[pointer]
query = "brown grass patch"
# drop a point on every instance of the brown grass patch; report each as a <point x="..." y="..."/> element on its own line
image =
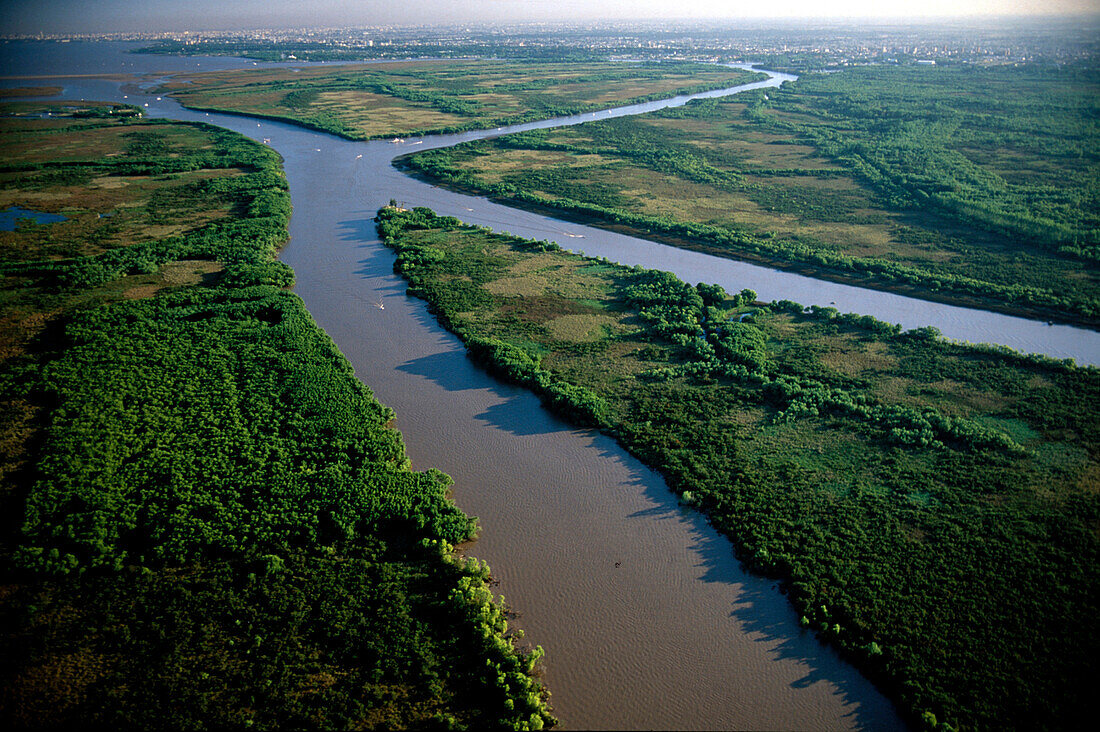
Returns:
<point x="16" y="432"/>
<point x="530" y="285"/>
<point x="492" y="168"/>
<point x="190" y="272"/>
<point x="141" y="292"/>
<point x="854" y="359"/>
<point x="957" y="398"/>
<point x="109" y="182"/>
<point x="892" y="389"/>
<point x="579" y="328"/>
<point x="947" y="396"/>
<point x="34" y="145"/>
<point x="1089" y="481"/>
<point x="13" y="196"/>
<point x="535" y="263"/>
<point x="373" y="114"/>
<point x="657" y="194"/>
<point x="30" y="91"/>
<point x="58" y="682"/>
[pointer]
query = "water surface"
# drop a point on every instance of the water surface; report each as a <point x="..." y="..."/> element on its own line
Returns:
<point x="11" y="216"/>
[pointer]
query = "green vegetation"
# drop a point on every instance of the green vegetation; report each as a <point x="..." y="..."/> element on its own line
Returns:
<point x="979" y="186"/>
<point x="207" y="520"/>
<point x="419" y="97"/>
<point x="931" y="507"/>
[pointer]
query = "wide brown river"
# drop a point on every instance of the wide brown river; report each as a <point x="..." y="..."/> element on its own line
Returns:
<point x="647" y="619"/>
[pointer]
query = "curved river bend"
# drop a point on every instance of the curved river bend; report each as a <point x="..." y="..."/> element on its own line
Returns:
<point x="676" y="636"/>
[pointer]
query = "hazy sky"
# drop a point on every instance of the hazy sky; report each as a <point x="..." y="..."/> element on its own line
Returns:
<point x="94" y="16"/>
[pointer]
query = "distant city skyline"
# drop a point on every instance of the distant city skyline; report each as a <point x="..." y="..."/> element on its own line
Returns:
<point x="107" y="16"/>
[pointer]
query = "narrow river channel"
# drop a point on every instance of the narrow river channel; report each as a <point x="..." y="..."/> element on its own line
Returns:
<point x="647" y="619"/>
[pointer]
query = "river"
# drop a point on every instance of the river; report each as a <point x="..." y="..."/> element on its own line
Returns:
<point x="647" y="619"/>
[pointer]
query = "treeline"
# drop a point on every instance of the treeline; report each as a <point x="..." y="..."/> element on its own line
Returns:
<point x="899" y="524"/>
<point x="213" y="524"/>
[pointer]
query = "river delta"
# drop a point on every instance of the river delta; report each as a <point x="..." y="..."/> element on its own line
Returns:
<point x="647" y="618"/>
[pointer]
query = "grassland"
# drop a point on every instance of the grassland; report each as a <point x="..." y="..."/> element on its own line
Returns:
<point x="400" y="99"/>
<point x="971" y="186"/>
<point x="29" y="91"/>
<point x="932" y="508"/>
<point x="207" y="521"/>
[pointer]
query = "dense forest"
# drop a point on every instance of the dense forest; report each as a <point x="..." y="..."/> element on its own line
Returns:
<point x="208" y="521"/>
<point x="973" y="185"/>
<point x="422" y="97"/>
<point x="930" y="507"/>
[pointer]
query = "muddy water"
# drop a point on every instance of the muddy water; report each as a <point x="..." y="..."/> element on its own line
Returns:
<point x="647" y="619"/>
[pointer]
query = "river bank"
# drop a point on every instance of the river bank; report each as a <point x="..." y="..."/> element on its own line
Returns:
<point x="843" y="277"/>
<point x="868" y="468"/>
<point x="208" y="519"/>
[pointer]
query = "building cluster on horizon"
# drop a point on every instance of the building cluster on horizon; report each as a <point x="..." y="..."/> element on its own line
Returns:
<point x="828" y="43"/>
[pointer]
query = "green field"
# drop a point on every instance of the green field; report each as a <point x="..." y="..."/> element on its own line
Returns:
<point x="932" y="508"/>
<point x="418" y="97"/>
<point x="978" y="186"/>
<point x="207" y="520"/>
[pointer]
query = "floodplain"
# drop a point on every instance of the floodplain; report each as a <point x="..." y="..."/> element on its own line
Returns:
<point x="976" y="186"/>
<point x="900" y="486"/>
<point x="207" y="519"/>
<point x="420" y="97"/>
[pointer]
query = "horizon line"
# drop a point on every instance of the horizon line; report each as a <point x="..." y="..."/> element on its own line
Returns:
<point x="592" y="22"/>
